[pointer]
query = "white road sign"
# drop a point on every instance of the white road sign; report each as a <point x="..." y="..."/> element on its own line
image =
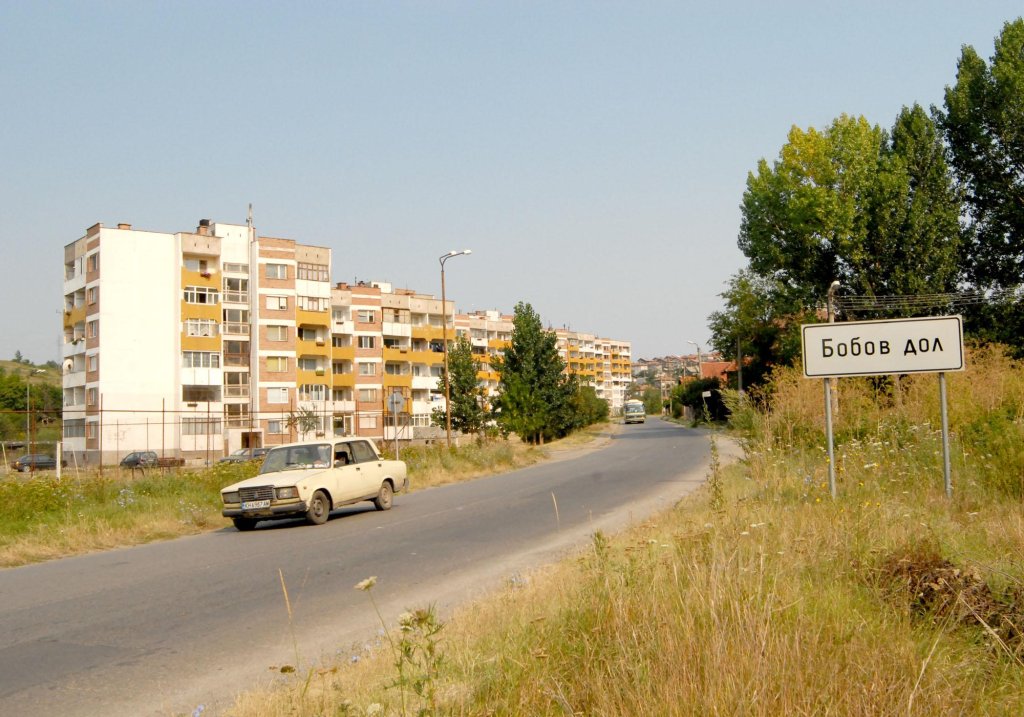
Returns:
<point x="874" y="348"/>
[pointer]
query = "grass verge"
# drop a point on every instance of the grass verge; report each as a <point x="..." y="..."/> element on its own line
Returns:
<point x="761" y="595"/>
<point x="42" y="518"/>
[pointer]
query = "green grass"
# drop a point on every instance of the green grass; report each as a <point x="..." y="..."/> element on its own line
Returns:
<point x="764" y="596"/>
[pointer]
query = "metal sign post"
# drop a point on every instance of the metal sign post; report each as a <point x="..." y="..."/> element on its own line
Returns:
<point x="878" y="348"/>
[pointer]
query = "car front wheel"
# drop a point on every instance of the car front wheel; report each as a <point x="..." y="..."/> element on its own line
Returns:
<point x="319" y="508"/>
<point x="385" y="497"/>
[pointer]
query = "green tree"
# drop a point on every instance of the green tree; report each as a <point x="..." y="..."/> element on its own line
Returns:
<point x="983" y="123"/>
<point x="848" y="203"/>
<point x="984" y="126"/>
<point x="303" y="420"/>
<point x="763" y="319"/>
<point x="652" y="400"/>
<point x="468" y="414"/>
<point x="533" y="391"/>
<point x="691" y="393"/>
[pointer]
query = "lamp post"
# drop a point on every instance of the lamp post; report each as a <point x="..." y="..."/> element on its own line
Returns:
<point x="28" y="410"/>
<point x="700" y="369"/>
<point x="444" y="339"/>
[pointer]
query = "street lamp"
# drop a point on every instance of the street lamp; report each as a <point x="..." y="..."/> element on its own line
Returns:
<point x="28" y="409"/>
<point x="700" y="369"/>
<point x="444" y="338"/>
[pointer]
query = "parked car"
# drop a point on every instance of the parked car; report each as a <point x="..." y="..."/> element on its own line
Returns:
<point x="245" y="454"/>
<point x="37" y="462"/>
<point x="140" y="459"/>
<point x="312" y="478"/>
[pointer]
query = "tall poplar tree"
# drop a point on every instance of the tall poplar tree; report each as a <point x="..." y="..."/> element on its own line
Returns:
<point x="984" y="126"/>
<point x="533" y="392"/>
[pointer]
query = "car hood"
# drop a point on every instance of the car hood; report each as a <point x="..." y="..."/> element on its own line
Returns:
<point x="280" y="478"/>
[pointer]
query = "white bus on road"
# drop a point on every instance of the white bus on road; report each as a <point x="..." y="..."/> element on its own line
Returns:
<point x="633" y="411"/>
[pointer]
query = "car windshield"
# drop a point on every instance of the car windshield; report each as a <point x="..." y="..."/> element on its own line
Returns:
<point x="313" y="455"/>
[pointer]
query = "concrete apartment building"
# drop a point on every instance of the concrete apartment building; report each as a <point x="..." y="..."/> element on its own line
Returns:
<point x="194" y="344"/>
<point x="602" y="363"/>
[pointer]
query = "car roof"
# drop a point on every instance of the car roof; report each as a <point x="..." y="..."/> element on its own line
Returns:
<point x="321" y="441"/>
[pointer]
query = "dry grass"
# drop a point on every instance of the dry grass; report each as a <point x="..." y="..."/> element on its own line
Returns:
<point x="42" y="518"/>
<point x="890" y="600"/>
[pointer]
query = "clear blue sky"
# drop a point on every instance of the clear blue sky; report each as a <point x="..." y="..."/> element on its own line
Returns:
<point x="593" y="155"/>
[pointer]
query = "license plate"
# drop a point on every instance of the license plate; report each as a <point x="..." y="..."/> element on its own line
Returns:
<point x="255" y="504"/>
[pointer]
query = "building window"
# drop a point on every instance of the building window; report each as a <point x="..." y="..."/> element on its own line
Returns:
<point x="200" y="426"/>
<point x="276" y="427"/>
<point x="277" y="364"/>
<point x="196" y="393"/>
<point x="341" y="394"/>
<point x="236" y="415"/>
<point x="94" y="362"/>
<point x="366" y="342"/>
<point x="195" y="264"/>
<point x="367" y="421"/>
<point x="277" y="303"/>
<point x="314" y="272"/>
<point x="91" y="396"/>
<point x="201" y="295"/>
<point x="394" y="369"/>
<point x="367" y="369"/>
<point x="236" y="321"/>
<point x="313" y="303"/>
<point x="340" y="342"/>
<point x="309" y="364"/>
<point x="92" y="295"/>
<point x="341" y="367"/>
<point x="312" y="392"/>
<point x="277" y="271"/>
<point x="307" y="334"/>
<point x="365" y="316"/>
<point x="200" y="359"/>
<point x="74" y="428"/>
<point x="277" y="395"/>
<point x="92" y="329"/>
<point x="367" y="395"/>
<point x="91" y="429"/>
<point x="93" y="262"/>
<point x="200" y="327"/>
<point x="236" y="268"/>
<point x="236" y="290"/>
<point x="236" y="384"/>
<point x="277" y="333"/>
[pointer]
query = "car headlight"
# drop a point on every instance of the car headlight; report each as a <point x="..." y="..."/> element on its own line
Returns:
<point x="289" y="492"/>
<point x="231" y="497"/>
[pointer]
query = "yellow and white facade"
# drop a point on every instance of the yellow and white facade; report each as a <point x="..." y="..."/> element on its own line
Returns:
<point x="194" y="344"/>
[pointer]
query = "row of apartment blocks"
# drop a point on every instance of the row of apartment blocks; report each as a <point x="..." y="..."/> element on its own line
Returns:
<point x="195" y="344"/>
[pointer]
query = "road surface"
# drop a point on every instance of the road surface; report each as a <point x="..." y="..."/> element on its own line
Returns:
<point x="160" y="629"/>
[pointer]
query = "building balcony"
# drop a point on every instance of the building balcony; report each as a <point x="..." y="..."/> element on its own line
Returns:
<point x="234" y="328"/>
<point x="392" y="328"/>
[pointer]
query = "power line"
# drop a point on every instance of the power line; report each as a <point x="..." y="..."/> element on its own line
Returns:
<point x="926" y="301"/>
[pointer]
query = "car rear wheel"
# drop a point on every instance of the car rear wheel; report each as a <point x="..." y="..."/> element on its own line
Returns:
<point x="319" y="508"/>
<point x="244" y="524"/>
<point x="385" y="497"/>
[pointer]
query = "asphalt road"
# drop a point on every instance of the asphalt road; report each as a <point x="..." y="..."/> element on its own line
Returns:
<point x="163" y="628"/>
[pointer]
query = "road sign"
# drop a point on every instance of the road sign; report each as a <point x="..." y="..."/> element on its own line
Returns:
<point x="875" y="348"/>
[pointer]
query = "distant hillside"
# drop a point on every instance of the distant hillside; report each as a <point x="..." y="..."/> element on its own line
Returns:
<point x="50" y="374"/>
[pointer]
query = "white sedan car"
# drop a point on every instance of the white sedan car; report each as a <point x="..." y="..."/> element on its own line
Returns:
<point x="310" y="479"/>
